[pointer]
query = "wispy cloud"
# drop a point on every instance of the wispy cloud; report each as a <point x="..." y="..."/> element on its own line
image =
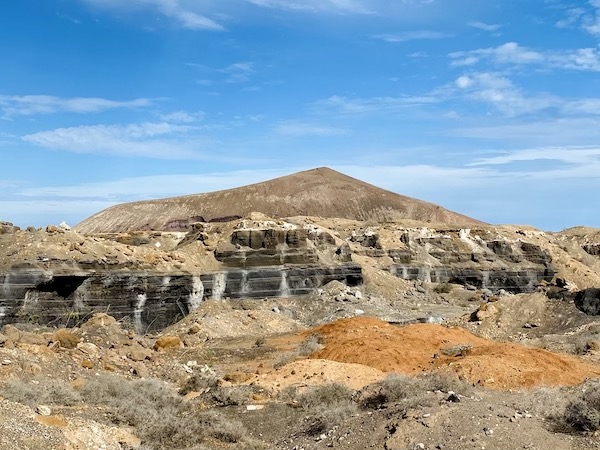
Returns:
<point x="184" y="16"/>
<point x="13" y="105"/>
<point x="238" y="72"/>
<point x="511" y="53"/>
<point x="485" y="26"/>
<point x="158" y="186"/>
<point x="571" y="155"/>
<point x="405" y="36"/>
<point x="318" y="6"/>
<point x="499" y="91"/>
<point x="291" y="128"/>
<point x="183" y="117"/>
<point x="585" y="16"/>
<point x="347" y="105"/>
<point x="556" y="131"/>
<point x="151" y="140"/>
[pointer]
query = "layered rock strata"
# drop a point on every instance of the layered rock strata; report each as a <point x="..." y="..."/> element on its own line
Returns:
<point x="151" y="301"/>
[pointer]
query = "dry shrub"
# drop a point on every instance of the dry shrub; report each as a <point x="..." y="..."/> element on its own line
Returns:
<point x="325" y="395"/>
<point x="284" y="358"/>
<point x="311" y="344"/>
<point x="159" y="416"/>
<point x="443" y="288"/>
<point x="582" y="411"/>
<point x="40" y="390"/>
<point x="206" y="382"/>
<point x="409" y="391"/>
<point x="326" y="405"/>
<point x="202" y="379"/>
<point x="445" y="382"/>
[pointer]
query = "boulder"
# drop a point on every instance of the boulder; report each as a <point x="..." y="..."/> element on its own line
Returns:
<point x="168" y="342"/>
<point x="65" y="338"/>
<point x="588" y="301"/>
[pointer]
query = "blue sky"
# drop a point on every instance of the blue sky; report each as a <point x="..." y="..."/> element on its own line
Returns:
<point x="490" y="108"/>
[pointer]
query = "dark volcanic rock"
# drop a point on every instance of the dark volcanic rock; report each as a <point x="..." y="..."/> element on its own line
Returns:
<point x="150" y="301"/>
<point x="495" y="264"/>
<point x="588" y="301"/>
<point x="592" y="249"/>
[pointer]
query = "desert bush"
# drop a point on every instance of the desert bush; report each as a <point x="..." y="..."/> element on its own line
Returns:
<point x="327" y="405"/>
<point x="284" y="358"/>
<point x="409" y="390"/>
<point x="232" y="395"/>
<point x="443" y="288"/>
<point x="311" y="344"/>
<point x="202" y="379"/>
<point x="40" y="390"/>
<point x="445" y="382"/>
<point x="582" y="412"/>
<point x="394" y="388"/>
<point x="325" y="395"/>
<point x="160" y="417"/>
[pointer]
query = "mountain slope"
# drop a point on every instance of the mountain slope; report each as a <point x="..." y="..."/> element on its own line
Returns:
<point x="318" y="192"/>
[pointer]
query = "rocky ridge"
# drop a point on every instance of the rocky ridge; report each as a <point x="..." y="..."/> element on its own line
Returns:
<point x="318" y="192"/>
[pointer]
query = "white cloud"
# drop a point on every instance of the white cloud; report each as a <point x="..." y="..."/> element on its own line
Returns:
<point x="183" y="117"/>
<point x="485" y="26"/>
<point x="585" y="16"/>
<point x="317" y="6"/>
<point x="561" y="131"/>
<point x="308" y="129"/>
<point x="152" y="140"/>
<point x="500" y="92"/>
<point x="373" y="104"/>
<point x="159" y="186"/>
<point x="511" y="53"/>
<point x="12" y="105"/>
<point x="411" y="36"/>
<point x="571" y="155"/>
<point x="238" y="72"/>
<point x="186" y="16"/>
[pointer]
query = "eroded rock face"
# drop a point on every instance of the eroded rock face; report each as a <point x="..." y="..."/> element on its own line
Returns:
<point x="273" y="246"/>
<point x="458" y="256"/>
<point x="150" y="301"/>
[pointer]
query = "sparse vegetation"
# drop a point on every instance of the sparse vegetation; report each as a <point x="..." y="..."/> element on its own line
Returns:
<point x="443" y="288"/>
<point x="311" y="344"/>
<point x="161" y="418"/>
<point x="40" y="390"/>
<point x="284" y="358"/>
<point x="582" y="412"/>
<point x="327" y="406"/>
<point x="408" y="390"/>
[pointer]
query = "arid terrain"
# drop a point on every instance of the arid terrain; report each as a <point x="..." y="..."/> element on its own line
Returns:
<point x="298" y="329"/>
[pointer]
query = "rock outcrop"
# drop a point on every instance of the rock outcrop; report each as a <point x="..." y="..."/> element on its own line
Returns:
<point x="477" y="259"/>
<point x="588" y="301"/>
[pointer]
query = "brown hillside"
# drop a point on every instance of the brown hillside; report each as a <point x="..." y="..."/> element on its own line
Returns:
<point x="318" y="192"/>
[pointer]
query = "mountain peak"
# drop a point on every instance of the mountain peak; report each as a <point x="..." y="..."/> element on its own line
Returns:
<point x="320" y="192"/>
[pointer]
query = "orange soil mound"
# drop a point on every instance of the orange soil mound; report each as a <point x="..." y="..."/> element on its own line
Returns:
<point x="417" y="348"/>
<point x="308" y="372"/>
